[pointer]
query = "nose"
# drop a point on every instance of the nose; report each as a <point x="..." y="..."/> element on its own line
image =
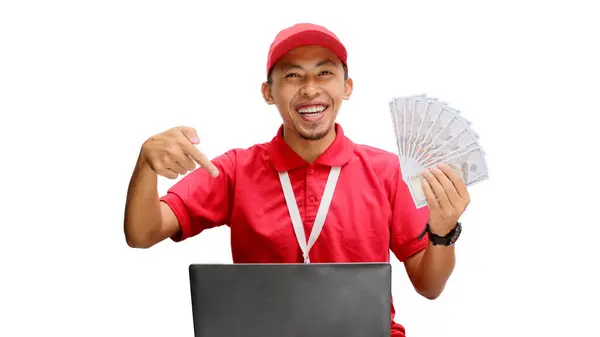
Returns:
<point x="311" y="89"/>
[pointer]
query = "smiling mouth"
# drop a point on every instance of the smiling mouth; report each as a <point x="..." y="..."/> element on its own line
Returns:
<point x="312" y="113"/>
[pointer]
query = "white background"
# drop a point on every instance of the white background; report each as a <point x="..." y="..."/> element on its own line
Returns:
<point x="84" y="83"/>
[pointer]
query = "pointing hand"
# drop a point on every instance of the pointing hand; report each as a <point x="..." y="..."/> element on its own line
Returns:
<point x="174" y="152"/>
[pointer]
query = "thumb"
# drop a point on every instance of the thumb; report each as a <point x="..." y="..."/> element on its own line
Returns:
<point x="191" y="134"/>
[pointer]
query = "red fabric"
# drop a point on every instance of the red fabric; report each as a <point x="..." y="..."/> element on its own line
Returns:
<point x="371" y="212"/>
<point x="304" y="34"/>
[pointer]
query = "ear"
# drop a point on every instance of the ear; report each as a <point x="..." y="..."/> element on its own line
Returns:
<point x="267" y="93"/>
<point x="348" y="89"/>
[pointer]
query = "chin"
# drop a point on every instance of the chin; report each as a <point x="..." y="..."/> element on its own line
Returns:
<point x="317" y="132"/>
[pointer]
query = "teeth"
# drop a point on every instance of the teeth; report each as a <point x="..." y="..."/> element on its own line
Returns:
<point x="313" y="110"/>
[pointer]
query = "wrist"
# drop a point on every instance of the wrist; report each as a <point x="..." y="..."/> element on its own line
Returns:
<point x="441" y="232"/>
<point x="446" y="239"/>
<point x="143" y="170"/>
<point x="142" y="160"/>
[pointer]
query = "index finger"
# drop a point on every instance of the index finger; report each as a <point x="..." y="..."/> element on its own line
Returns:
<point x="199" y="157"/>
<point x="456" y="179"/>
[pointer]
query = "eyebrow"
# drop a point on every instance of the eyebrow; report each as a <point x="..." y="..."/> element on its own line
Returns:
<point x="324" y="62"/>
<point x="287" y="66"/>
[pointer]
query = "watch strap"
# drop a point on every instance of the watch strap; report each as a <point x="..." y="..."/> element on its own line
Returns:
<point x="447" y="240"/>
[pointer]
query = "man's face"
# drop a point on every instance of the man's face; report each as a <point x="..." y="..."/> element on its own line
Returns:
<point x="308" y="88"/>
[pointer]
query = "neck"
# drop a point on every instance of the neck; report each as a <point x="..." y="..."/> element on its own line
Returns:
<point x="309" y="150"/>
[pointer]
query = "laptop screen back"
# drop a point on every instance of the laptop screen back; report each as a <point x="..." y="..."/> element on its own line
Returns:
<point x="291" y="300"/>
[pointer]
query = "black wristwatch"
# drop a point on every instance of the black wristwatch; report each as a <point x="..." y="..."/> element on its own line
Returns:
<point x="447" y="240"/>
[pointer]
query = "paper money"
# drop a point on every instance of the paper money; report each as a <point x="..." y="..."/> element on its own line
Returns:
<point x="414" y="183"/>
<point x="429" y="131"/>
<point x="471" y="164"/>
<point x="466" y="139"/>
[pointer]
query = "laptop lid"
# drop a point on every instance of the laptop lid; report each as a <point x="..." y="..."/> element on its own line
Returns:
<point x="291" y="300"/>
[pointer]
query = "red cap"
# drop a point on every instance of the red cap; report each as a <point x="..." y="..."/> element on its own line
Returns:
<point x="304" y="34"/>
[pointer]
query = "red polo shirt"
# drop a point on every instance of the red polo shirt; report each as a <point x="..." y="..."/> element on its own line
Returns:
<point x="371" y="212"/>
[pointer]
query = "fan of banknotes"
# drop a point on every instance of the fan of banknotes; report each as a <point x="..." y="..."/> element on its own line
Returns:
<point x="429" y="131"/>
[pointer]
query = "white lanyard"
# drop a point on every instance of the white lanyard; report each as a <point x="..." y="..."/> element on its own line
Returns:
<point x="290" y="199"/>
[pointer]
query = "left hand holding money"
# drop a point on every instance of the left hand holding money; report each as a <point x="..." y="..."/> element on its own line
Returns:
<point x="447" y="197"/>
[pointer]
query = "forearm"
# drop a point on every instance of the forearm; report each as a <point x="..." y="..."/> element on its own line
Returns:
<point x="142" y="209"/>
<point x="434" y="270"/>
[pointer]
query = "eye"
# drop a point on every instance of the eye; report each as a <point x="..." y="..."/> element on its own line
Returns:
<point x="325" y="72"/>
<point x="291" y="75"/>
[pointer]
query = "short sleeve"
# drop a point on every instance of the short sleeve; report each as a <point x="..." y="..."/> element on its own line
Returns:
<point x="407" y="221"/>
<point x="201" y="201"/>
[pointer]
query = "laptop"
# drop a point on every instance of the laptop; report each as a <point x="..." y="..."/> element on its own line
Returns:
<point x="291" y="300"/>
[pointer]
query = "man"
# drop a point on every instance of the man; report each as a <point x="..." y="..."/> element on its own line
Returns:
<point x="310" y="176"/>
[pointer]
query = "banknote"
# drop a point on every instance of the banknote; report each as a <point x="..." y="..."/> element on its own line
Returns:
<point x="415" y="185"/>
<point x="429" y="131"/>
<point x="472" y="165"/>
<point x="440" y="130"/>
<point x="465" y="139"/>
<point x="402" y="110"/>
<point x="424" y="113"/>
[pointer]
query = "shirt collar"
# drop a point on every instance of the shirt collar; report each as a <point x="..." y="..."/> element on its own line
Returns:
<point x="284" y="158"/>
